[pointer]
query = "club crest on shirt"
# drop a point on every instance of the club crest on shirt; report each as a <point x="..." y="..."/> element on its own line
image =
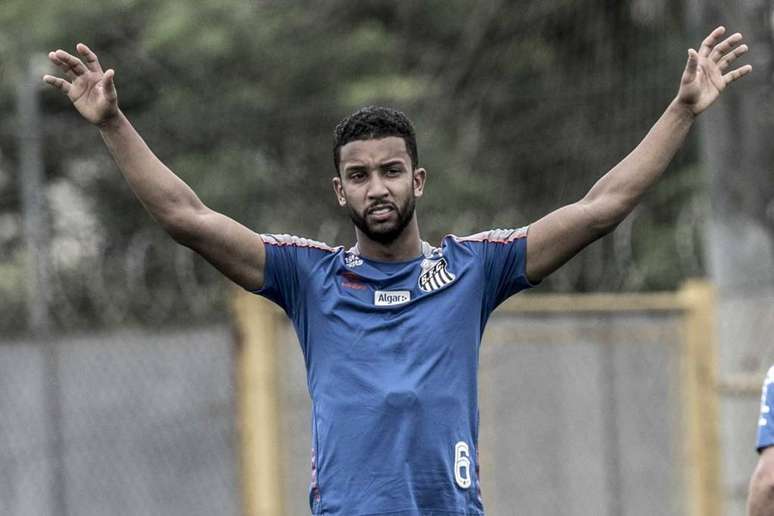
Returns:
<point x="352" y="260"/>
<point x="434" y="275"/>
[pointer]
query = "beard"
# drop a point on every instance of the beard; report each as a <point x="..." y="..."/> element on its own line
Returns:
<point x="385" y="232"/>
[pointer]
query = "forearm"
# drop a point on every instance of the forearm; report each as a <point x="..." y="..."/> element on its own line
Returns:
<point x="561" y="234"/>
<point x="163" y="194"/>
<point x="760" y="500"/>
<point x="617" y="193"/>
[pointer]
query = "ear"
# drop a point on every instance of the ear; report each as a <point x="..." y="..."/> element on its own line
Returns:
<point x="420" y="177"/>
<point x="338" y="189"/>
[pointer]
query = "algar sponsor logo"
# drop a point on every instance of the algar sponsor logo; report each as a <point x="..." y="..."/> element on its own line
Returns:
<point x="391" y="297"/>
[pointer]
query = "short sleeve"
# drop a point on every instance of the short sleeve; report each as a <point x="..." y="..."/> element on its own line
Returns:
<point x="503" y="253"/>
<point x="765" y="437"/>
<point x="280" y="274"/>
<point x="287" y="257"/>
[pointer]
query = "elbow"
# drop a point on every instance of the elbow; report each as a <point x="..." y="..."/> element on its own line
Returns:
<point x="604" y="214"/>
<point x="183" y="224"/>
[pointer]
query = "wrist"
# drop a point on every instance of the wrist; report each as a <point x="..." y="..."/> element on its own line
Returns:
<point x="112" y="123"/>
<point x="682" y="110"/>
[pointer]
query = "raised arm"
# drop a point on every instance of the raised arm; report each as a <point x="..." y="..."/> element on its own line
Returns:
<point x="232" y="248"/>
<point x="560" y="235"/>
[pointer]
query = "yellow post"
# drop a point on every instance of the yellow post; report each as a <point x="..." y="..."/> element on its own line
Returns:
<point x="257" y="419"/>
<point x="701" y="473"/>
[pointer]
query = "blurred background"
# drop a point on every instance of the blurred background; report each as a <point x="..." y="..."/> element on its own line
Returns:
<point x="118" y="391"/>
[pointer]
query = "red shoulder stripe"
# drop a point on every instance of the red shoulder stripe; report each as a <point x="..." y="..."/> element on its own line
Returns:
<point x="497" y="236"/>
<point x="292" y="240"/>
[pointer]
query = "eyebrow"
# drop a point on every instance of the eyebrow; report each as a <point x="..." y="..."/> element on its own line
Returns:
<point x="354" y="167"/>
<point x="392" y="162"/>
<point x="360" y="166"/>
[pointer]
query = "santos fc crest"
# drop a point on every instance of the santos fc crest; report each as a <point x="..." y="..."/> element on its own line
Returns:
<point x="434" y="275"/>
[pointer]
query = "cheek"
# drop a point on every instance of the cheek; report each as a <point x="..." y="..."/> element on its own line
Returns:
<point x="351" y="197"/>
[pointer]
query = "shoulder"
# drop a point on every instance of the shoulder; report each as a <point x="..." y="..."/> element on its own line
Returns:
<point x="484" y="240"/>
<point x="768" y="380"/>
<point x="495" y="236"/>
<point x="769" y="375"/>
<point x="283" y="240"/>
<point x="290" y="251"/>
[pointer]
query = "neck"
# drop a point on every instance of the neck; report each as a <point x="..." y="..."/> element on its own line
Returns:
<point x="407" y="246"/>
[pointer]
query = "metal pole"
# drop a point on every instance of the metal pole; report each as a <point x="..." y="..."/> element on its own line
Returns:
<point x="36" y="237"/>
<point x="36" y="234"/>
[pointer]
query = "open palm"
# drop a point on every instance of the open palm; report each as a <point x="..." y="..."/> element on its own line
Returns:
<point x="706" y="75"/>
<point x="91" y="90"/>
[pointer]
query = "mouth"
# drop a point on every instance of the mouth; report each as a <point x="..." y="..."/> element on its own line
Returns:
<point x="383" y="208"/>
<point x="381" y="212"/>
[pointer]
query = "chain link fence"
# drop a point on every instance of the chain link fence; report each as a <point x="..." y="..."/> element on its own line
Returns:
<point x="122" y="422"/>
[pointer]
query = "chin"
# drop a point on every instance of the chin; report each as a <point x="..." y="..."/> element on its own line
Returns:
<point x="385" y="232"/>
<point x="384" y="235"/>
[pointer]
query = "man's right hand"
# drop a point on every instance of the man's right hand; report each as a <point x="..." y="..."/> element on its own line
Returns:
<point x="235" y="250"/>
<point x="90" y="89"/>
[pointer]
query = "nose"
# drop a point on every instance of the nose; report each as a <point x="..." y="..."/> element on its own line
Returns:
<point x="376" y="187"/>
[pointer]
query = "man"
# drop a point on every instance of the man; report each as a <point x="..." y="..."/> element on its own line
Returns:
<point x="760" y="500"/>
<point x="390" y="329"/>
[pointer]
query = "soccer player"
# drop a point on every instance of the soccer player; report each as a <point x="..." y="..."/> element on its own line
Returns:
<point x="390" y="329"/>
<point x="760" y="500"/>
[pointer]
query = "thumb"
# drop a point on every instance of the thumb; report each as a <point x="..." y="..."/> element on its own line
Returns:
<point x="691" y="67"/>
<point x="109" y="86"/>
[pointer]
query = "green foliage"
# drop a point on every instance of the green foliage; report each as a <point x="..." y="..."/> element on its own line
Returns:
<point x="519" y="106"/>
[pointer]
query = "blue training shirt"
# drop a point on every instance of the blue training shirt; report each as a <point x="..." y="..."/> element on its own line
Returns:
<point x="766" y="419"/>
<point x="391" y="353"/>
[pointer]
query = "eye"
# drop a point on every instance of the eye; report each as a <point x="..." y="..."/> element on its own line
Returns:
<point x="357" y="175"/>
<point x="394" y="171"/>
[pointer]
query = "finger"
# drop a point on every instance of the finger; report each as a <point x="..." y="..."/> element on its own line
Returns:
<point x="689" y="75"/>
<point x="57" y="83"/>
<point x="109" y="86"/>
<point x="61" y="64"/>
<point x="710" y="41"/>
<point x="737" y="74"/>
<point x="74" y="64"/>
<point x="725" y="47"/>
<point x="89" y="57"/>
<point x="731" y="56"/>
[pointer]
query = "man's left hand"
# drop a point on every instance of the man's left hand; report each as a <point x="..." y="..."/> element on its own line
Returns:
<point x="707" y="72"/>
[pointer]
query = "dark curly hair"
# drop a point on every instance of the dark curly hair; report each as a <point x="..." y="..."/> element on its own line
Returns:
<point x="374" y="122"/>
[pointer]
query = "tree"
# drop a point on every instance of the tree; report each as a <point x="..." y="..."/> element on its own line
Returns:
<point x="519" y="107"/>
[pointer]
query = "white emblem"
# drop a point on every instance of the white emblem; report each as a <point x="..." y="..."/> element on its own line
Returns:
<point x="462" y="464"/>
<point x="352" y="260"/>
<point x="391" y="297"/>
<point x="434" y="275"/>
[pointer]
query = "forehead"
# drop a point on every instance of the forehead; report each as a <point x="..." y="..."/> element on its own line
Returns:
<point x="374" y="151"/>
